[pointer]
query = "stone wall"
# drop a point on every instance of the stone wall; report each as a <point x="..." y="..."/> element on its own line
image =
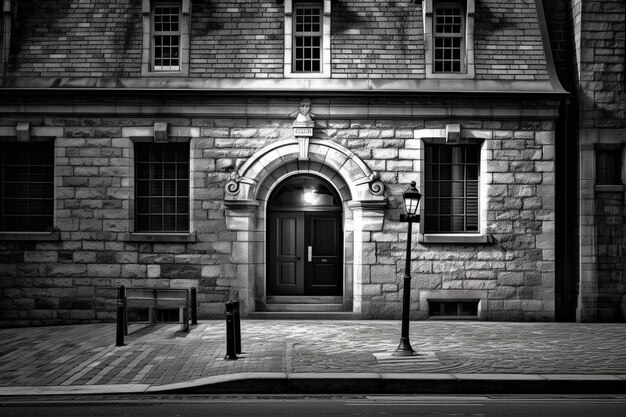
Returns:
<point x="611" y="246"/>
<point x="74" y="279"/>
<point x="602" y="60"/>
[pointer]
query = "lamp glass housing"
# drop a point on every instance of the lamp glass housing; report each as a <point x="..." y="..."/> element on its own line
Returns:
<point x="412" y="199"/>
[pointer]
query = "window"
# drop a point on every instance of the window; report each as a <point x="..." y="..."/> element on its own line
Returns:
<point x="304" y="191"/>
<point x="161" y="187"/>
<point x="451" y="195"/>
<point x="27" y="181"/>
<point x="449" y="38"/>
<point x="166" y="37"/>
<point x="448" y="32"/>
<point x="609" y="167"/>
<point x="307" y="39"/>
<point x="453" y="309"/>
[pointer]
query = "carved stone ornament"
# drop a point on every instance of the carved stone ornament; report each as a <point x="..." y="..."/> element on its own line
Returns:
<point x="304" y="123"/>
<point x="376" y="186"/>
<point x="232" y="186"/>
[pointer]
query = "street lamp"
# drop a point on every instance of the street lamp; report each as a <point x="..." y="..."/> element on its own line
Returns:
<point x="411" y="199"/>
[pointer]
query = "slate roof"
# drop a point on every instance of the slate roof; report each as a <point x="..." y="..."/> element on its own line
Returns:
<point x="244" y="39"/>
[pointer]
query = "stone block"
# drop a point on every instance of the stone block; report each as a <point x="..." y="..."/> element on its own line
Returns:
<point x="133" y="271"/>
<point x="181" y="271"/>
<point x="383" y="274"/>
<point x="64" y="270"/>
<point x="385" y="153"/>
<point x="153" y="271"/>
<point x="41" y="256"/>
<point x="511" y="278"/>
<point x="104" y="270"/>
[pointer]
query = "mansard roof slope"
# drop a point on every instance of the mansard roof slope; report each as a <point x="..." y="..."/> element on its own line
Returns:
<point x="61" y="41"/>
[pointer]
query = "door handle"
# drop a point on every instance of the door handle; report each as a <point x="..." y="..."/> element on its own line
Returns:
<point x="310" y="252"/>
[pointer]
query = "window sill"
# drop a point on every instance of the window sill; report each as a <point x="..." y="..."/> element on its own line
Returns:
<point x="165" y="74"/>
<point x="30" y="236"/>
<point x="161" y="237"/>
<point x="307" y="75"/>
<point x="454" y="238"/>
<point x="450" y="76"/>
<point x="618" y="188"/>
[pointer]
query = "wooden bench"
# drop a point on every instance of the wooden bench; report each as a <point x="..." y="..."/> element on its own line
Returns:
<point x="155" y="299"/>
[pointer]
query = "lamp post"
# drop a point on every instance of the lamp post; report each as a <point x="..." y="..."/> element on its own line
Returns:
<point x="411" y="199"/>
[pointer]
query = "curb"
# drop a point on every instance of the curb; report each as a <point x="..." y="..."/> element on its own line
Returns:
<point x="354" y="383"/>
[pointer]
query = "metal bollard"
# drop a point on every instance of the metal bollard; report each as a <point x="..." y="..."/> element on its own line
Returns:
<point x="230" y="332"/>
<point x="194" y="306"/>
<point x="121" y="310"/>
<point x="237" y="326"/>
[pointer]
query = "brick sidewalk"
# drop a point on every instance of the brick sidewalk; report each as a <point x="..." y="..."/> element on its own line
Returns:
<point x="85" y="355"/>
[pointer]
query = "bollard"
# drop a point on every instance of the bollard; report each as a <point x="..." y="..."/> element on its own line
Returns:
<point x="230" y="332"/>
<point x="194" y="306"/>
<point x="237" y="320"/>
<point x="121" y="310"/>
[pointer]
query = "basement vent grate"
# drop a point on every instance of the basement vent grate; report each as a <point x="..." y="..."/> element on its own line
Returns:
<point x="453" y="309"/>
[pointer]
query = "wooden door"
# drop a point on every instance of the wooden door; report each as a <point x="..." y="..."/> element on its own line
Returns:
<point x="323" y="249"/>
<point x="286" y="253"/>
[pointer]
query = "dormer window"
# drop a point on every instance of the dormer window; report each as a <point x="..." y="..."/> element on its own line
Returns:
<point x="307" y="36"/>
<point x="307" y="39"/>
<point x="449" y="38"/>
<point x="166" y="37"/>
<point x="166" y="27"/>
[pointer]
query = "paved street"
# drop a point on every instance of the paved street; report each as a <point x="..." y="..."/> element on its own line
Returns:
<point x="85" y="355"/>
<point x="340" y="406"/>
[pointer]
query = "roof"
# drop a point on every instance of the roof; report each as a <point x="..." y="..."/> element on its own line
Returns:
<point x="71" y="42"/>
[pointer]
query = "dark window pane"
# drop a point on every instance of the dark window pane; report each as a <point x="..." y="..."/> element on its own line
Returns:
<point x="303" y="191"/>
<point x="27" y="184"/>
<point x="609" y="167"/>
<point x="451" y="197"/>
<point x="168" y="193"/>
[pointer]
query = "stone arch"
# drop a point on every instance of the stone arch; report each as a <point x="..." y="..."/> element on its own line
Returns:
<point x="246" y="193"/>
<point x="363" y="183"/>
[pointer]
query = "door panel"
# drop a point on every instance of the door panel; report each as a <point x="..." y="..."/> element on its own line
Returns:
<point x="323" y="269"/>
<point x="286" y="253"/>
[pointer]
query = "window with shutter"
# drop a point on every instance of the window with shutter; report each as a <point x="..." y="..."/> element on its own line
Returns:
<point x="451" y="196"/>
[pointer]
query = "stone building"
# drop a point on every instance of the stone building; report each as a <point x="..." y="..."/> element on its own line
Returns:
<point x="589" y="48"/>
<point x="258" y="150"/>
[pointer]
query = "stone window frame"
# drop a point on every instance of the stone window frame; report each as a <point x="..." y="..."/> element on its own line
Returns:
<point x="179" y="150"/>
<point x="147" y="59"/>
<point x="161" y="133"/>
<point x="438" y="182"/>
<point x="23" y="132"/>
<point x="467" y="70"/>
<point x="454" y="135"/>
<point x="289" y="40"/>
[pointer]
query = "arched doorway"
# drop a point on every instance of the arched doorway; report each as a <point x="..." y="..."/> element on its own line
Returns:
<point x="304" y="239"/>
